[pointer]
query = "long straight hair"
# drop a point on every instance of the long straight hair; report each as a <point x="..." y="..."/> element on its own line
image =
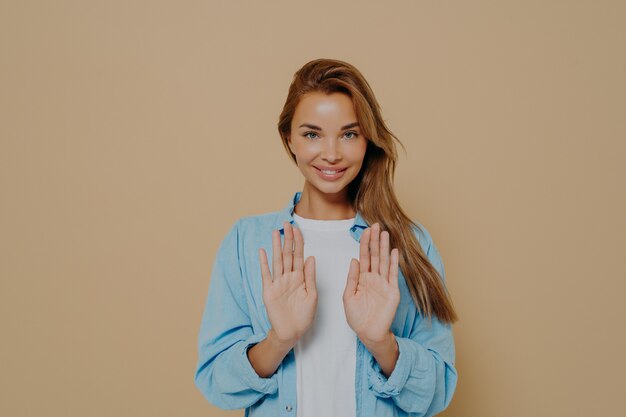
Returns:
<point x="371" y="192"/>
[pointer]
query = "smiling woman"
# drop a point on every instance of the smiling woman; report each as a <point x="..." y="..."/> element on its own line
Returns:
<point x="352" y="317"/>
<point x="328" y="151"/>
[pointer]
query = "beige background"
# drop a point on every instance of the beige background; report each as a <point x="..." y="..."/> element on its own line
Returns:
<point x="133" y="134"/>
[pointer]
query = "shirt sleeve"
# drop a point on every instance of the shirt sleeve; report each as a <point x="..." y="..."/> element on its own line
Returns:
<point x="224" y="374"/>
<point x="424" y="378"/>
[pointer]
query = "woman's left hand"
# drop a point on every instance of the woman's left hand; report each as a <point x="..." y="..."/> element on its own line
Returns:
<point x="371" y="296"/>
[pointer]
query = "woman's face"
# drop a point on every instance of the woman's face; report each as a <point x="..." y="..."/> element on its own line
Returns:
<point x="325" y="136"/>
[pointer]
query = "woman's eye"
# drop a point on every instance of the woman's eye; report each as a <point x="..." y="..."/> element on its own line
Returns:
<point x="353" y="134"/>
<point x="306" y="135"/>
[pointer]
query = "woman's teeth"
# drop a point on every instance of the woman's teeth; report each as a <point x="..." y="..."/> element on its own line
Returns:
<point x="330" y="172"/>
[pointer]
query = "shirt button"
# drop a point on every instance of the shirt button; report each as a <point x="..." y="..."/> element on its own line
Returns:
<point x="289" y="408"/>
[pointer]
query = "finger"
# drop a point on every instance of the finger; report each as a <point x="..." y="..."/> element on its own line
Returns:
<point x="309" y="275"/>
<point x="384" y="254"/>
<point x="277" y="263"/>
<point x="353" y="279"/>
<point x="265" y="269"/>
<point x="298" y="255"/>
<point x="375" y="249"/>
<point x="364" y="253"/>
<point x="393" y="270"/>
<point x="288" y="248"/>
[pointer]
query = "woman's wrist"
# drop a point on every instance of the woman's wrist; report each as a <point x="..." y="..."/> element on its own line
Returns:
<point x="378" y="345"/>
<point x="280" y="345"/>
<point x="266" y="356"/>
<point x="385" y="351"/>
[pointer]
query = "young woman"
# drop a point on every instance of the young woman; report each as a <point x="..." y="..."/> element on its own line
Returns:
<point x="335" y="305"/>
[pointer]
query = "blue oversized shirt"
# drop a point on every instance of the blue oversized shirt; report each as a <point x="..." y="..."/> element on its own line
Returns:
<point x="234" y="319"/>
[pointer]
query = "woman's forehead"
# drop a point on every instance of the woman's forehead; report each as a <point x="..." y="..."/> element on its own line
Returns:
<point x="332" y="110"/>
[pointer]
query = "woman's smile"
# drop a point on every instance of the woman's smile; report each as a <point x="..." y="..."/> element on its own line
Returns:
<point x="330" y="174"/>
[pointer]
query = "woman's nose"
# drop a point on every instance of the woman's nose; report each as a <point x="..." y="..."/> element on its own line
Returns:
<point x="331" y="151"/>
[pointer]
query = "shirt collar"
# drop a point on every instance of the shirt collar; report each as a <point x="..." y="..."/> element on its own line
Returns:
<point x="286" y="214"/>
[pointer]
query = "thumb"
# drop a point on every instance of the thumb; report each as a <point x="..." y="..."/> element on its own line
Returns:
<point x="309" y="274"/>
<point x="353" y="278"/>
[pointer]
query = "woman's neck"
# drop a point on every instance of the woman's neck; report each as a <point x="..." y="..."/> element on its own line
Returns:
<point x="321" y="206"/>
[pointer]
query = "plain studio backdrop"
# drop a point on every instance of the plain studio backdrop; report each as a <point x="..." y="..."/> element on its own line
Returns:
<point x="134" y="134"/>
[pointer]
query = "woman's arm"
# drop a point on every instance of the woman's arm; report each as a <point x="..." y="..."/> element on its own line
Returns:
<point x="424" y="378"/>
<point x="224" y="374"/>
<point x="237" y="367"/>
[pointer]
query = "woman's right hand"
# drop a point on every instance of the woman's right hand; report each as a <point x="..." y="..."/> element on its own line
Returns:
<point x="289" y="292"/>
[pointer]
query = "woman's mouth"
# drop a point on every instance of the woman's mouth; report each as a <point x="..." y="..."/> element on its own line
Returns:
<point x="330" y="174"/>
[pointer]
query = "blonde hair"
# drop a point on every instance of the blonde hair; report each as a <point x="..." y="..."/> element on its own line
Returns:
<point x="371" y="192"/>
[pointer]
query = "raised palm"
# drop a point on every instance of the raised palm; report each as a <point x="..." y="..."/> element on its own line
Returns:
<point x="289" y="291"/>
<point x="371" y="296"/>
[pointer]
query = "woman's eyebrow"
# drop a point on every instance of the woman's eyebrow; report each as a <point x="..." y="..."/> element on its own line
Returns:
<point x="310" y="126"/>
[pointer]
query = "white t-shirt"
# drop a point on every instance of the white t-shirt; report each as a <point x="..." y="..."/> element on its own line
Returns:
<point x="326" y="353"/>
